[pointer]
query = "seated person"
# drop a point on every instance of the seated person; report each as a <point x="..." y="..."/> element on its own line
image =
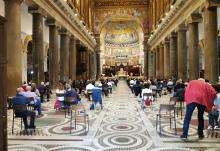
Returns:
<point x="137" y="88"/>
<point x="20" y="99"/>
<point x="60" y="94"/>
<point x="214" y="114"/>
<point x="89" y="88"/>
<point x="37" y="102"/>
<point x="72" y="93"/>
<point x="146" y="90"/>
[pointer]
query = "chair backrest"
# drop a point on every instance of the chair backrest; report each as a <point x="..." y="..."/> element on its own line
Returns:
<point x="89" y="91"/>
<point x="19" y="108"/>
<point x="147" y="94"/>
<point x="31" y="100"/>
<point x="59" y="94"/>
<point x="77" y="107"/>
<point x="174" y="100"/>
<point x="166" y="107"/>
<point x="70" y="99"/>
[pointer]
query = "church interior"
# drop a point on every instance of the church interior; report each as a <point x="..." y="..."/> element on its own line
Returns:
<point x="64" y="41"/>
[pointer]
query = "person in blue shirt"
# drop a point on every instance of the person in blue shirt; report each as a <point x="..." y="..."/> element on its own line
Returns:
<point x="72" y="93"/>
<point x="97" y="95"/>
<point x="214" y="114"/>
<point x="20" y="99"/>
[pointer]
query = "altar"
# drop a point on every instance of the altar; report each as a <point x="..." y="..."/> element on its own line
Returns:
<point x="122" y="74"/>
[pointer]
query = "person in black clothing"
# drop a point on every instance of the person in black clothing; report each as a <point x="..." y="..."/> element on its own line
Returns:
<point x="42" y="90"/>
<point x="137" y="88"/>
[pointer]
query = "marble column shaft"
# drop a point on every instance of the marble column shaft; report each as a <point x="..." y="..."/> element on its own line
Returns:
<point x="4" y="82"/>
<point x="84" y="60"/>
<point x="64" y="55"/>
<point x="38" y="48"/>
<point x="14" y="52"/>
<point x="150" y="63"/>
<point x="161" y="61"/>
<point x="154" y="64"/>
<point x="182" y="53"/>
<point x="72" y="58"/>
<point x="146" y="63"/>
<point x="211" y="49"/>
<point x="157" y="62"/>
<point x="98" y="61"/>
<point x="167" y="59"/>
<point x="173" y="54"/>
<point x="53" y="54"/>
<point x="193" y="50"/>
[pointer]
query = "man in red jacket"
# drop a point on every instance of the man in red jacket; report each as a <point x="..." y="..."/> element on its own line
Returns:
<point x="198" y="94"/>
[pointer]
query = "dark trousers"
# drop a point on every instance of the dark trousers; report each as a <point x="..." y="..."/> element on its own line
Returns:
<point x="189" y="111"/>
<point x="25" y="115"/>
<point x="213" y="118"/>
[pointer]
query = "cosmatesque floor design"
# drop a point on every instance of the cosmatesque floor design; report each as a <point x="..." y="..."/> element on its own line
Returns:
<point x="121" y="125"/>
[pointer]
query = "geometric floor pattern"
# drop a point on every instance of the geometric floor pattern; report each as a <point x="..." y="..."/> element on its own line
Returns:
<point x="122" y="125"/>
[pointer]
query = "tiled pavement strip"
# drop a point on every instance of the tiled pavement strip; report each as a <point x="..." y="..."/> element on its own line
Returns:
<point x="121" y="125"/>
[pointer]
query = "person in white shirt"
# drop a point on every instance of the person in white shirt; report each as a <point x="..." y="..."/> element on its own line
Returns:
<point x="89" y="88"/>
<point x="146" y="90"/>
<point x="60" y="94"/>
<point x="132" y="82"/>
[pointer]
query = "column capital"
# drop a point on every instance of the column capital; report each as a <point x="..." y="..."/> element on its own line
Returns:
<point x="194" y="18"/>
<point x="63" y="31"/>
<point x="52" y="22"/>
<point x="167" y="40"/>
<point x="36" y="10"/>
<point x="212" y="3"/>
<point x="182" y="27"/>
<point x="173" y="34"/>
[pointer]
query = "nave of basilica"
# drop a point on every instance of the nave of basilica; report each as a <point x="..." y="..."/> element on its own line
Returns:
<point x="79" y="42"/>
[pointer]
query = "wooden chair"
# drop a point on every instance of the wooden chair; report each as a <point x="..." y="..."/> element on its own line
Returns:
<point x="166" y="111"/>
<point x="17" y="108"/>
<point x="67" y="104"/>
<point x="78" y="111"/>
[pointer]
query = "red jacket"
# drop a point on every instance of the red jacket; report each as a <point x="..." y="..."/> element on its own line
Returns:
<point x="200" y="92"/>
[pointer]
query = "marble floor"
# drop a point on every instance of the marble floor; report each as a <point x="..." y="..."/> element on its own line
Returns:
<point x="121" y="125"/>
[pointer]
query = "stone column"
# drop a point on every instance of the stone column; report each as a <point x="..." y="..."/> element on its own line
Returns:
<point x="146" y="62"/>
<point x="161" y="61"/>
<point x="84" y="61"/>
<point x="193" y="46"/>
<point x="13" y="45"/>
<point x="173" y="54"/>
<point x="73" y="58"/>
<point x="157" y="62"/>
<point x="150" y="63"/>
<point x="167" y="59"/>
<point x="154" y="64"/>
<point x="4" y="81"/>
<point x="88" y="63"/>
<point x="38" y="45"/>
<point x="64" y="54"/>
<point x="53" y="52"/>
<point x="211" y="49"/>
<point x="182" y="52"/>
<point x="98" y="61"/>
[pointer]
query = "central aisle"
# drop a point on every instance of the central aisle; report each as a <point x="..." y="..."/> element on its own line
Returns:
<point x="122" y="127"/>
